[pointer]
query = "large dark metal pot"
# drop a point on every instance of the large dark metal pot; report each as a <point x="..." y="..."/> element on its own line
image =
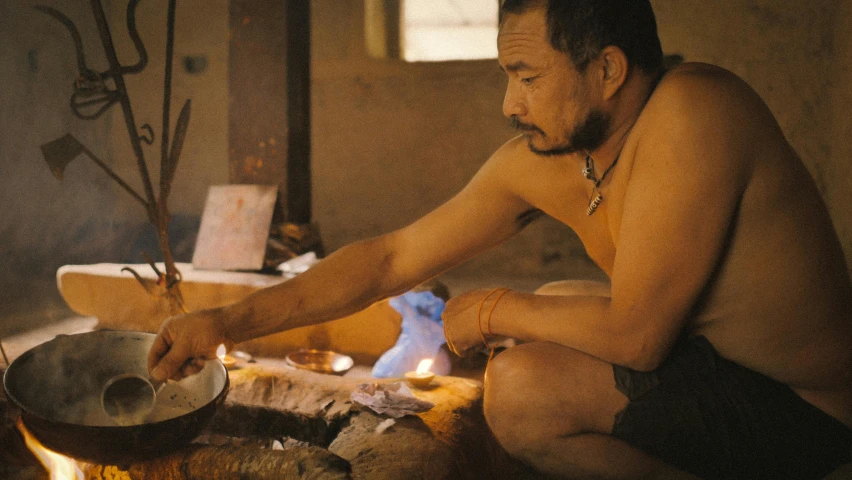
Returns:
<point x="58" y="384"/>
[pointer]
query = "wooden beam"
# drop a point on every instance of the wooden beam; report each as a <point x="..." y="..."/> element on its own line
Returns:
<point x="298" y="29"/>
<point x="269" y="104"/>
<point x="382" y="28"/>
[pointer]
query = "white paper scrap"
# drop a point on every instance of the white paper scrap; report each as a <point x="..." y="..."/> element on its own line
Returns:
<point x="392" y="399"/>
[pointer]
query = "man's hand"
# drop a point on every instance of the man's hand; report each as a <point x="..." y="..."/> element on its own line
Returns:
<point x="184" y="343"/>
<point x="466" y="319"/>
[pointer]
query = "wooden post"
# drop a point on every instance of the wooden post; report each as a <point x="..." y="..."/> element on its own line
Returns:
<point x="269" y="108"/>
<point x="382" y="28"/>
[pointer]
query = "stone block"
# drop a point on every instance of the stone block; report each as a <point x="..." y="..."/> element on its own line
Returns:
<point x="449" y="441"/>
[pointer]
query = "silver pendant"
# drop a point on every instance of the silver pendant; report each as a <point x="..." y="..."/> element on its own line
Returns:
<point x="594" y="204"/>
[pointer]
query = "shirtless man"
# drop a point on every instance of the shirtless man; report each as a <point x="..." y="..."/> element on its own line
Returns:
<point x="722" y="345"/>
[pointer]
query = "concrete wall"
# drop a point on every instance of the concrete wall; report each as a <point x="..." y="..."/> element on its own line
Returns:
<point x="798" y="57"/>
<point x="786" y="51"/>
<point x="402" y="138"/>
<point x="391" y="140"/>
<point x="44" y="223"/>
<point x="201" y="32"/>
<point x="87" y="218"/>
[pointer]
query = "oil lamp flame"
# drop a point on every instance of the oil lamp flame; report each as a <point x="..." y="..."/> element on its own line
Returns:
<point x="421" y="378"/>
<point x="58" y="466"/>
<point x="424" y="366"/>
<point x="226" y="359"/>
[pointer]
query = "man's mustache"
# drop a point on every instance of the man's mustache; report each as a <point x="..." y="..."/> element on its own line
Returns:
<point x="523" y="127"/>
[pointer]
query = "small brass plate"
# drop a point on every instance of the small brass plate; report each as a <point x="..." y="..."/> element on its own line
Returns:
<point x="322" y="361"/>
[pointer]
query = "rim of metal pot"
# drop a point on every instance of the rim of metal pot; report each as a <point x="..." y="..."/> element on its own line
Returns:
<point x="20" y="405"/>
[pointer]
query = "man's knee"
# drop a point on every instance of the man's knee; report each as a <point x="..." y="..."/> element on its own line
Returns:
<point x="538" y="391"/>
<point x="510" y="383"/>
<point x="535" y="392"/>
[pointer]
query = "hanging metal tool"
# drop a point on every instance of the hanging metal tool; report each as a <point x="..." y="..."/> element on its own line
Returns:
<point x="92" y="97"/>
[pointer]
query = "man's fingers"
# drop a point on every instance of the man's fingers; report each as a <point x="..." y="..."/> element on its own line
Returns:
<point x="158" y="350"/>
<point x="192" y="368"/>
<point x="170" y="364"/>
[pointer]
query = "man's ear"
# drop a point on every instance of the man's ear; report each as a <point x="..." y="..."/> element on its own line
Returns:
<point x="614" y="70"/>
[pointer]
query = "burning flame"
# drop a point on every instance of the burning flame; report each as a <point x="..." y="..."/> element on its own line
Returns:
<point x="424" y="366"/>
<point x="226" y="359"/>
<point x="58" y="466"/>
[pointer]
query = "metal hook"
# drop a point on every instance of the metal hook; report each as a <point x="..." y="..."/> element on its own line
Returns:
<point x="75" y="35"/>
<point x="150" y="131"/>
<point x="145" y="283"/>
<point x="153" y="265"/>
<point x="137" y="41"/>
<point x="108" y="98"/>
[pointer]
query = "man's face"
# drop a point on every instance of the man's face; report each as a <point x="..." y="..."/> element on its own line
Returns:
<point x="547" y="99"/>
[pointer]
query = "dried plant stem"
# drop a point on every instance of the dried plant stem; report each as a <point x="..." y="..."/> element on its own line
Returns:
<point x="157" y="209"/>
<point x="166" y="170"/>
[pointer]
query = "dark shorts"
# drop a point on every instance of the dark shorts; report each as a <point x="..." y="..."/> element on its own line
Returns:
<point x="716" y="419"/>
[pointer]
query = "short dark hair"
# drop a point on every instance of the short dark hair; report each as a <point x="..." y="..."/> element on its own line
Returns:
<point x="582" y="28"/>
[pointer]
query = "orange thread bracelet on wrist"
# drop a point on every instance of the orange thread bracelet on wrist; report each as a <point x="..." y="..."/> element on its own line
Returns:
<point x="493" y="306"/>
<point x="479" y="312"/>
<point x="447" y="338"/>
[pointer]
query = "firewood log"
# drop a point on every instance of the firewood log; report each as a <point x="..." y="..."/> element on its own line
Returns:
<point x="232" y="463"/>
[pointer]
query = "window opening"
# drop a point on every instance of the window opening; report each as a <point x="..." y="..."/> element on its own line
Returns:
<point x="441" y="30"/>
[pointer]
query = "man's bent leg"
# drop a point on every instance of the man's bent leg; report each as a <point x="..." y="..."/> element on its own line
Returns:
<point x="553" y="408"/>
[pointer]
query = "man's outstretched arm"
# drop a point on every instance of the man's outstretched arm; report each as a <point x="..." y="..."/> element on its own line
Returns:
<point x="484" y="213"/>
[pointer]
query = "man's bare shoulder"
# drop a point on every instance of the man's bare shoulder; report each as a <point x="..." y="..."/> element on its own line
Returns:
<point x="703" y="113"/>
<point x="515" y="152"/>
<point x="502" y="177"/>
<point x="702" y="78"/>
<point x="513" y="164"/>
<point x="708" y="93"/>
<point x="529" y="181"/>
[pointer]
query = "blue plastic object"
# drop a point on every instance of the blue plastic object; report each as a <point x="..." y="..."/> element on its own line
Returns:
<point x="421" y="337"/>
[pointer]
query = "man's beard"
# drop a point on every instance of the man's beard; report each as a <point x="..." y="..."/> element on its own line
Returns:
<point x="587" y="135"/>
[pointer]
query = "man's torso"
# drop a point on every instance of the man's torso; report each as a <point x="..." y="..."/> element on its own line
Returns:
<point x="778" y="301"/>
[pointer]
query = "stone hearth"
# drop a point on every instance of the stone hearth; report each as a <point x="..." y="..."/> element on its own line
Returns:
<point x="273" y="405"/>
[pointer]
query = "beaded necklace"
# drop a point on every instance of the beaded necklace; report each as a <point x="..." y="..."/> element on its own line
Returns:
<point x="589" y="173"/>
